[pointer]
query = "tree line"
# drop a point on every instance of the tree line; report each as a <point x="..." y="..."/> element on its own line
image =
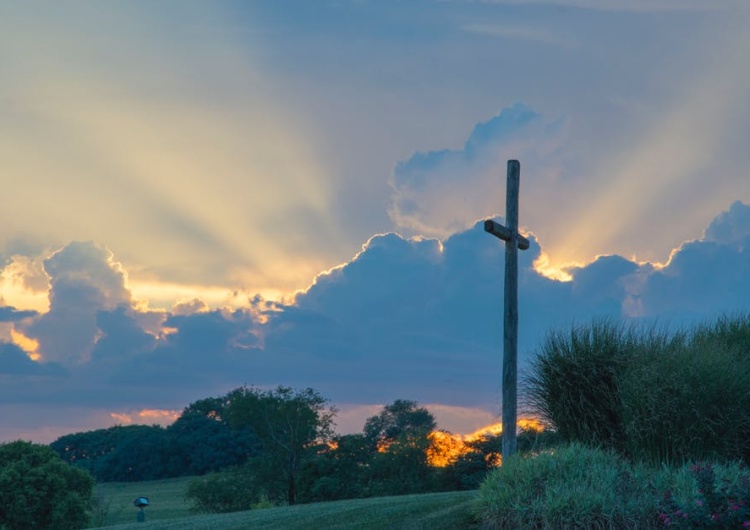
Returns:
<point x="279" y="446"/>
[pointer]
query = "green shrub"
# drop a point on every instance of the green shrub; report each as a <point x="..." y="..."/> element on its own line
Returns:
<point x="707" y="496"/>
<point x="573" y="382"/>
<point x="687" y="403"/>
<point x="232" y="490"/>
<point x="40" y="491"/>
<point x="647" y="393"/>
<point x="571" y="487"/>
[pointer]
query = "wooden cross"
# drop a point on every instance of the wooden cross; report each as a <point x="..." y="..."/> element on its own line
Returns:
<point x="513" y="241"/>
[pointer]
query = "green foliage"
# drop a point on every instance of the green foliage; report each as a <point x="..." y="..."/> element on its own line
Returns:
<point x="688" y="403"/>
<point x="199" y="441"/>
<point x="535" y="441"/>
<point x="574" y="382"/>
<point x="340" y="471"/>
<point x="124" y="453"/>
<point x="399" y="420"/>
<point x="717" y="496"/>
<point x="653" y="395"/>
<point x="571" y="487"/>
<point x="40" y="491"/>
<point x="471" y="468"/>
<point x="389" y="458"/>
<point x="402" y="467"/>
<point x="398" y="441"/>
<point x="288" y="423"/>
<point x="205" y="441"/>
<point x="232" y="490"/>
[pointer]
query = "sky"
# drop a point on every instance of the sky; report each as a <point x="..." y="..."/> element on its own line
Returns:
<point x="197" y="196"/>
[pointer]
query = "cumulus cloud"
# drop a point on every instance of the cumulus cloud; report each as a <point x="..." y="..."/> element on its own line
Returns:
<point x="438" y="193"/>
<point x="706" y="276"/>
<point x="732" y="226"/>
<point x="412" y="318"/>
<point x="190" y="307"/>
<point x="84" y="279"/>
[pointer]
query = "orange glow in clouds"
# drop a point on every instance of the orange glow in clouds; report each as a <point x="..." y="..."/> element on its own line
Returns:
<point x="146" y="416"/>
<point x="29" y="346"/>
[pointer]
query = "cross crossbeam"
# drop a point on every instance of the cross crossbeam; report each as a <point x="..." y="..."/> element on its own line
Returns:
<point x="504" y="233"/>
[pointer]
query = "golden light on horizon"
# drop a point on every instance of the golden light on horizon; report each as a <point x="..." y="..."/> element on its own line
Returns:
<point x="161" y="416"/>
<point x="445" y="447"/>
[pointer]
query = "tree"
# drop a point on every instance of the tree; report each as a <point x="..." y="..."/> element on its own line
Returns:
<point x="288" y="423"/>
<point x="205" y="440"/>
<point x="399" y="439"/>
<point x="40" y="491"/>
<point x="120" y="453"/>
<point x="199" y="441"/>
<point x="402" y="418"/>
<point x="341" y="471"/>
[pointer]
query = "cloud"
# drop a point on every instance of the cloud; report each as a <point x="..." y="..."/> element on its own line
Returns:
<point x="424" y="317"/>
<point x="437" y="193"/>
<point x="732" y="226"/>
<point x="14" y="361"/>
<point x="84" y="279"/>
<point x="11" y="314"/>
<point x="708" y="276"/>
<point x="413" y="318"/>
<point x="161" y="144"/>
<point x="120" y="336"/>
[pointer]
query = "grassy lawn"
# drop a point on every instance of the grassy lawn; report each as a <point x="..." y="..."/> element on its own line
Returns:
<point x="168" y="510"/>
<point x="166" y="497"/>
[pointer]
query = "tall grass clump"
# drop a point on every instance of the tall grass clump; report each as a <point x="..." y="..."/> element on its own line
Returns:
<point x="574" y="382"/>
<point x="648" y="393"/>
<point x="574" y="486"/>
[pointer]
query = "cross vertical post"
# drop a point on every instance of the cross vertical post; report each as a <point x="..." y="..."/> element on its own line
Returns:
<point x="513" y="241"/>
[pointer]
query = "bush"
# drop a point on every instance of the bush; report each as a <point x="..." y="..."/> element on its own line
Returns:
<point x="233" y="490"/>
<point x="572" y="487"/>
<point x="687" y="403"/>
<point x="649" y="394"/>
<point x="573" y="382"/>
<point x="714" y="496"/>
<point x="40" y="491"/>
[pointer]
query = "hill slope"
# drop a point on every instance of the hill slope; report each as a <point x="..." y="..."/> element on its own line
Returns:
<point x="168" y="510"/>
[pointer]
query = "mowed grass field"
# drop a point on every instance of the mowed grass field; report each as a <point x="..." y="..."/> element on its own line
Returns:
<point x="168" y="510"/>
